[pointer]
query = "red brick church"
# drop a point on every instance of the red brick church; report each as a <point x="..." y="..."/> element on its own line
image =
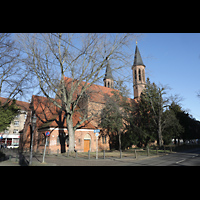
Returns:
<point x="50" y="119"/>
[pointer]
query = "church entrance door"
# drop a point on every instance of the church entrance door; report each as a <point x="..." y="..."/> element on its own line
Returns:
<point x="86" y="145"/>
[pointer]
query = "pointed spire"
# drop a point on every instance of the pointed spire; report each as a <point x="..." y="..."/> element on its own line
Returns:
<point x="137" y="57"/>
<point x="108" y="74"/>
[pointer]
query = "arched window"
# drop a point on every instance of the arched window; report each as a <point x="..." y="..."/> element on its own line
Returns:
<point x="135" y="74"/>
<point x="42" y="136"/>
<point x="58" y="140"/>
<point x="108" y="84"/>
<point x="104" y="139"/>
<point x="139" y="75"/>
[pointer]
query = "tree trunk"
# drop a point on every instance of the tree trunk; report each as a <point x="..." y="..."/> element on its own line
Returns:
<point x="120" y="142"/>
<point x="160" y="133"/>
<point x="71" y="133"/>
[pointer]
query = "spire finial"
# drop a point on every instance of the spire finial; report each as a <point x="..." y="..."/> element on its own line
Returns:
<point x="136" y="42"/>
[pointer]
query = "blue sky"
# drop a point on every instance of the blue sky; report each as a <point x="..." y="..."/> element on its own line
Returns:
<point x="173" y="59"/>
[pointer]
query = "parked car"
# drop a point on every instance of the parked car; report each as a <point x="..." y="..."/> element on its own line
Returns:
<point x="13" y="146"/>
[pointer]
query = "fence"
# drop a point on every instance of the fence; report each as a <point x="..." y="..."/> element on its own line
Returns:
<point x="131" y="153"/>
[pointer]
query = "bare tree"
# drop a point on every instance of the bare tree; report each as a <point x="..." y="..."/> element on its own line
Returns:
<point x="82" y="58"/>
<point x="12" y="72"/>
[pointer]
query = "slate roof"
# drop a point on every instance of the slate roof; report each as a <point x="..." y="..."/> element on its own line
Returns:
<point x="108" y="74"/>
<point x="137" y="58"/>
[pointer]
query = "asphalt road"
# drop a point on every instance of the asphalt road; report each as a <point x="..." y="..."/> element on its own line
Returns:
<point x="189" y="158"/>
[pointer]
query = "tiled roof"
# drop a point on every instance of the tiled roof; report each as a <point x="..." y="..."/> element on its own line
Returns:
<point x="96" y="93"/>
<point x="21" y="104"/>
<point x="48" y="115"/>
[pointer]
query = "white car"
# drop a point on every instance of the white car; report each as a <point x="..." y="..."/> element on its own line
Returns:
<point x="13" y="146"/>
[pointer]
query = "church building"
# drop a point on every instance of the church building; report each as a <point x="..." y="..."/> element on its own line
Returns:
<point x="50" y="119"/>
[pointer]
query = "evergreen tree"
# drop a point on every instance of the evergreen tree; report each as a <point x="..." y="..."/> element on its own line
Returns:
<point x="7" y="113"/>
<point x="113" y="118"/>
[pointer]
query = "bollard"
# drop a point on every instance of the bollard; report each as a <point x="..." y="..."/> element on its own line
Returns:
<point x="103" y="154"/>
<point x="57" y="152"/>
<point x="171" y="149"/>
<point x="16" y="159"/>
<point x="147" y="151"/>
<point x="156" y="150"/>
<point x="120" y="154"/>
<point x="88" y="154"/>
<point x="135" y="154"/>
<point x="68" y="153"/>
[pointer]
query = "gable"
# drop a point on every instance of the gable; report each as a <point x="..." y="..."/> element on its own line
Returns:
<point x="96" y="93"/>
<point x="48" y="115"/>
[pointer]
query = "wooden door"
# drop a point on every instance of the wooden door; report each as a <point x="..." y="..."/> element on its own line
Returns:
<point x="86" y="145"/>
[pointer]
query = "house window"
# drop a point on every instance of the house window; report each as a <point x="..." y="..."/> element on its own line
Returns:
<point x="17" y="116"/>
<point x="15" y="131"/>
<point x="16" y="123"/>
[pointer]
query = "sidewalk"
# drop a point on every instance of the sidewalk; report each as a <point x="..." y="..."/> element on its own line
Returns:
<point x="60" y="160"/>
<point x="63" y="160"/>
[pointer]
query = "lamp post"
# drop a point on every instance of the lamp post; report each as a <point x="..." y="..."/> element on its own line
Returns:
<point x="33" y="123"/>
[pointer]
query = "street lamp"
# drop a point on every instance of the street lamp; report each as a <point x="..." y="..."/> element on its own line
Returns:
<point x="33" y="123"/>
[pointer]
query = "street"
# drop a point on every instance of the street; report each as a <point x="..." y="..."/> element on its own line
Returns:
<point x="190" y="158"/>
<point x="186" y="158"/>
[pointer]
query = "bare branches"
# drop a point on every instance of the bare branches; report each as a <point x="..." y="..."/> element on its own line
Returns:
<point x="81" y="57"/>
<point x="14" y="77"/>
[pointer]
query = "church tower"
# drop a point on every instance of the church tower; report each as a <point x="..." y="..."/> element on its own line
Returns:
<point x="138" y="74"/>
<point x="108" y="79"/>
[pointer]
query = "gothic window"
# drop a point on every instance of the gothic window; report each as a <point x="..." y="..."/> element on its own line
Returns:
<point x="139" y="75"/>
<point x="104" y="139"/>
<point x="42" y="139"/>
<point x="58" y="140"/>
<point x="135" y="74"/>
